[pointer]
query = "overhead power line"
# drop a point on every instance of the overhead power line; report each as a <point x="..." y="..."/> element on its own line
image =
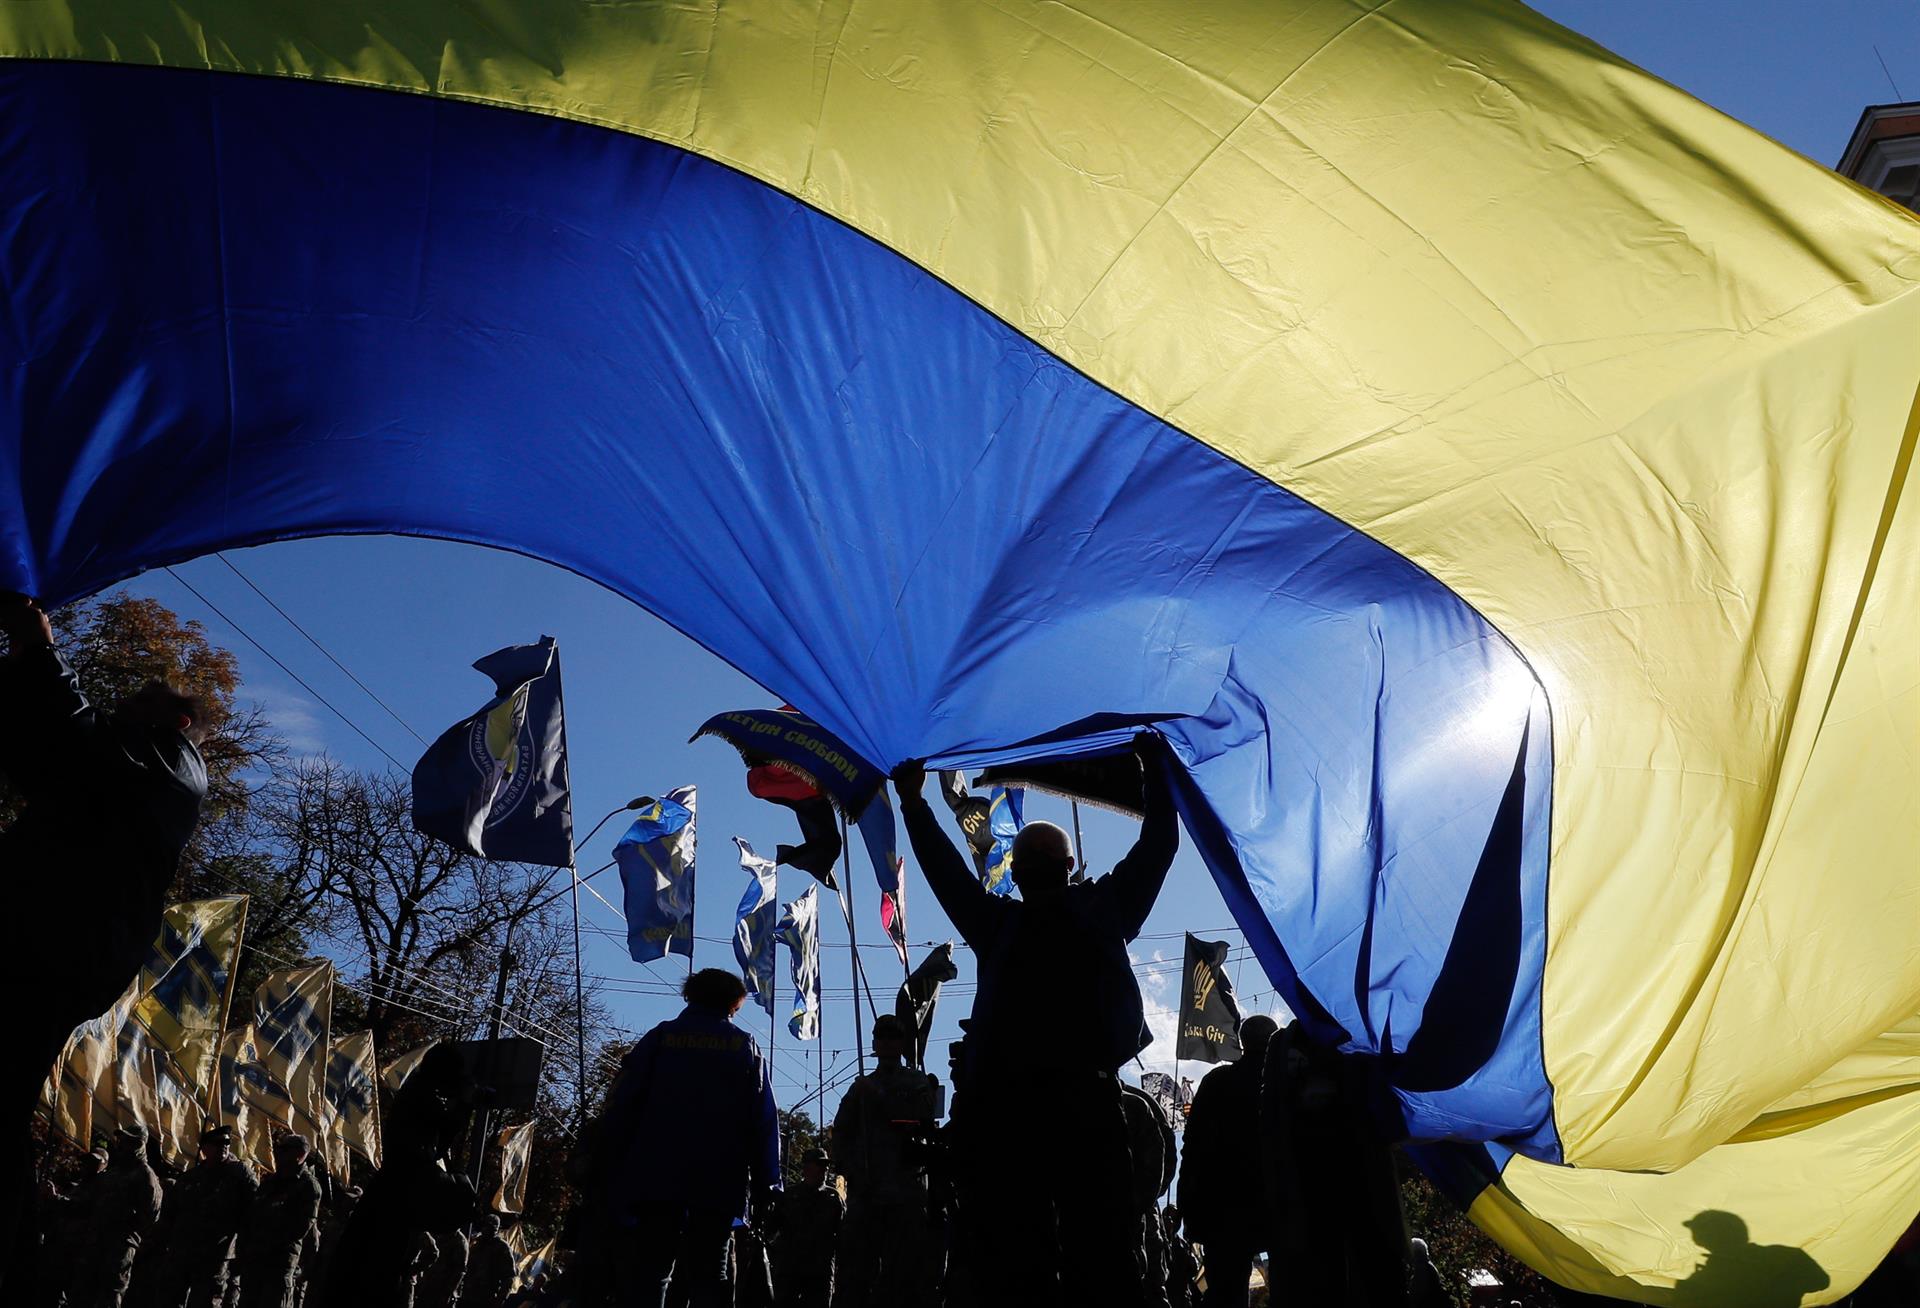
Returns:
<point x="528" y="1014"/>
<point x="301" y="681"/>
<point x="315" y="642"/>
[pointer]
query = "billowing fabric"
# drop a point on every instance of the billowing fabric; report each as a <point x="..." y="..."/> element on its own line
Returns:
<point x="880" y="833"/>
<point x="495" y="783"/>
<point x="152" y="1058"/>
<point x="656" y="858"/>
<point x="789" y="739"/>
<point x="1006" y="814"/>
<point x="515" y="1144"/>
<point x="113" y="1073"/>
<point x="799" y="930"/>
<point x="292" y="1024"/>
<point x="820" y="844"/>
<point x="753" y="925"/>
<point x="353" y="1101"/>
<point x="972" y="813"/>
<point x="242" y="1082"/>
<point x="1486" y="465"/>
<point x="186" y="985"/>
<point x="395" y="1073"/>
<point x="1208" y="1027"/>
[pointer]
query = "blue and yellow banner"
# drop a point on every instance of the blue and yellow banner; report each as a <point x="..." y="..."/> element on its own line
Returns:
<point x="1006" y="814"/>
<point x="1488" y="467"/>
<point x="353" y="1102"/>
<point x="291" y="1025"/>
<point x="656" y="858"/>
<point x="187" y="986"/>
<point x="153" y="1058"/>
<point x="243" y="1082"/>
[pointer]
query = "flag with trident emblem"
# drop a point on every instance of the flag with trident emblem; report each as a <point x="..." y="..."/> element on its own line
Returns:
<point x="1209" y="1016"/>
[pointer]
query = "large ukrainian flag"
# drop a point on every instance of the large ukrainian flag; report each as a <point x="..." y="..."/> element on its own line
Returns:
<point x="1487" y="464"/>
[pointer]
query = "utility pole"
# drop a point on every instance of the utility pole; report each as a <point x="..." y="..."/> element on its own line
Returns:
<point x="483" y="1118"/>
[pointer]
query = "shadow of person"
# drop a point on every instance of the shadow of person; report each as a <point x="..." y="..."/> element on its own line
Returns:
<point x="1738" y="1271"/>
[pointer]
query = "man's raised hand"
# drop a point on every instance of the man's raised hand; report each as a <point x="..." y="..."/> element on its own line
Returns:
<point x="910" y="777"/>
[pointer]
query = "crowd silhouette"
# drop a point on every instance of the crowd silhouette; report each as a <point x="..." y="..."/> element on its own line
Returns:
<point x="1033" y="1176"/>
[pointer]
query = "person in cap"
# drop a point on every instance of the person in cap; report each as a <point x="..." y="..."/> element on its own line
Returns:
<point x="490" y="1267"/>
<point x="1223" y="1191"/>
<point x="277" y="1229"/>
<point x="1735" y="1269"/>
<point x="886" y="1250"/>
<point x="126" y="1205"/>
<point x="1043" y="1094"/>
<point x="111" y="800"/>
<point x="439" y="1286"/>
<point x="807" y="1237"/>
<point x="200" y="1222"/>
<point x="689" y="1140"/>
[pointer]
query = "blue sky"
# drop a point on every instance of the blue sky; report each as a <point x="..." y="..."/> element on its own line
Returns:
<point x="409" y="616"/>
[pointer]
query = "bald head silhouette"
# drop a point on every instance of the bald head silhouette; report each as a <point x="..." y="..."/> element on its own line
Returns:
<point x="1042" y="859"/>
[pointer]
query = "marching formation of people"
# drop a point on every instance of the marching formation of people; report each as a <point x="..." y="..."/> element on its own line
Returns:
<point x="215" y="1236"/>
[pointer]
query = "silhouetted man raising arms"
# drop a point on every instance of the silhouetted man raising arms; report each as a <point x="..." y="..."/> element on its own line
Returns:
<point x="1057" y="1013"/>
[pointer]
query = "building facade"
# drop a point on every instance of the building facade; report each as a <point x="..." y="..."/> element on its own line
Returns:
<point x="1884" y="153"/>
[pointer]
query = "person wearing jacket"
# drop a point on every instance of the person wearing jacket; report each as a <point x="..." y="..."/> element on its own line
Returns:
<point x="1223" y="1193"/>
<point x="690" y="1141"/>
<point x="283" y="1213"/>
<point x="111" y="800"/>
<point x="1150" y="1139"/>
<point x="490" y="1267"/>
<point x="199" y="1224"/>
<point x="807" y="1237"/>
<point x="126" y="1206"/>
<point x="1043" y="1098"/>
<point x="887" y="1257"/>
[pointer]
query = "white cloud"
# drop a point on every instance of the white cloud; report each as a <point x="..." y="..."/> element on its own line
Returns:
<point x="293" y="715"/>
<point x="1159" y="992"/>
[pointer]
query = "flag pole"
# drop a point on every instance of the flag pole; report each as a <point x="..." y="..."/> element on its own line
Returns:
<point x="853" y="946"/>
<point x="1079" y="853"/>
<point x="579" y="998"/>
<point x="773" y="1034"/>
